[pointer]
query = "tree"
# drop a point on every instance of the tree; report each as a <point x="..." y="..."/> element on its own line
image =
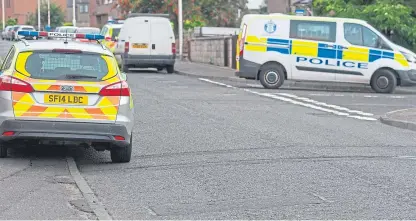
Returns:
<point x="263" y="7"/>
<point x="57" y="15"/>
<point x="386" y="15"/>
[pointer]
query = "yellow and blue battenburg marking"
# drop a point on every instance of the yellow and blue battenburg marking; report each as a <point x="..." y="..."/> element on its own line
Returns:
<point x="321" y="50"/>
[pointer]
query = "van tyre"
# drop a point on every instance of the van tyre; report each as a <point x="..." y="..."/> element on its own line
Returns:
<point x="3" y="150"/>
<point x="170" y="69"/>
<point x="122" y="154"/>
<point x="272" y="76"/>
<point x="384" y="81"/>
<point x="159" y="69"/>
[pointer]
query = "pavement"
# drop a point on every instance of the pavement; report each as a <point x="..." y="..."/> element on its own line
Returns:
<point x="217" y="148"/>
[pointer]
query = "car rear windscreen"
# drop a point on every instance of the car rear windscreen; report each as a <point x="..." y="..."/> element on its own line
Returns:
<point x="50" y="65"/>
<point x="68" y="30"/>
<point x="116" y="31"/>
<point x="26" y="28"/>
<point x="89" y="31"/>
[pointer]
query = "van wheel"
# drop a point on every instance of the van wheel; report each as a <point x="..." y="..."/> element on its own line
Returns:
<point x="3" y="150"/>
<point x="170" y="69"/>
<point x="159" y="69"/>
<point x="272" y="76"/>
<point x="122" y="154"/>
<point x="384" y="81"/>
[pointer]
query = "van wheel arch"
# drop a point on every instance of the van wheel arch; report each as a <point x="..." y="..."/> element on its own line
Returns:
<point x="390" y="69"/>
<point x="271" y="62"/>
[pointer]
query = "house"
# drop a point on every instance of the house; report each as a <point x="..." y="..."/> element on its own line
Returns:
<point x="101" y="11"/>
<point x="82" y="12"/>
<point x="21" y="11"/>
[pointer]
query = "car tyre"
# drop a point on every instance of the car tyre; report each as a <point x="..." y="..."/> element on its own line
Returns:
<point x="272" y="76"/>
<point x="122" y="154"/>
<point x="384" y="81"/>
<point x="170" y="69"/>
<point x="3" y="150"/>
<point x="159" y="69"/>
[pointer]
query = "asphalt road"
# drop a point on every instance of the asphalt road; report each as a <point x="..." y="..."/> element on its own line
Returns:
<point x="217" y="150"/>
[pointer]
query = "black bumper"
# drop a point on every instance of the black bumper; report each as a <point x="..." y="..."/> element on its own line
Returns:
<point x="64" y="131"/>
<point x="407" y="78"/>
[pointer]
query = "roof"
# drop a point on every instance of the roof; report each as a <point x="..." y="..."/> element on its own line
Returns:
<point x="310" y="18"/>
<point x="53" y="44"/>
<point x="114" y="25"/>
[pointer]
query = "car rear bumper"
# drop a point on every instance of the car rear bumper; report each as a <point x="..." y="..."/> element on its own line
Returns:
<point x="148" y="60"/>
<point x="64" y="131"/>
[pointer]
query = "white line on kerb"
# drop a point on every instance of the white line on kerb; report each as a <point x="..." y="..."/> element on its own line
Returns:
<point x="292" y="101"/>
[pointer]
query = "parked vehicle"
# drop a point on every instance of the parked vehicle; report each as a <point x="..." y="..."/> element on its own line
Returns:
<point x="274" y="48"/>
<point x="146" y="41"/>
<point x="4" y="32"/>
<point x="26" y="28"/>
<point x="12" y="34"/>
<point x="110" y="32"/>
<point x="87" y="30"/>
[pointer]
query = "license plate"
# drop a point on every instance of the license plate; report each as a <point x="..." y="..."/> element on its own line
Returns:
<point x="66" y="99"/>
<point x="135" y="45"/>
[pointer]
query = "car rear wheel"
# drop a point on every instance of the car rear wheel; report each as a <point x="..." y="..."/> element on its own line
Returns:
<point x="170" y="69"/>
<point x="159" y="69"/>
<point x="3" y="150"/>
<point x="272" y="76"/>
<point x="122" y="154"/>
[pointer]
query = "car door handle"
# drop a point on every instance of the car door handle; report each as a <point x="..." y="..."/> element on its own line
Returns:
<point x="153" y="46"/>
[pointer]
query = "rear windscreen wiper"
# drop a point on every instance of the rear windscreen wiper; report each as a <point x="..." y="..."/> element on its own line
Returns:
<point x="77" y="76"/>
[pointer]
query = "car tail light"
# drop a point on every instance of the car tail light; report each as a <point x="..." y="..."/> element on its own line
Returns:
<point x="119" y="137"/>
<point x="8" y="133"/>
<point x="242" y="40"/>
<point x="8" y="83"/>
<point x="117" y="89"/>
<point x="126" y="47"/>
<point x="173" y="48"/>
<point x="108" y="38"/>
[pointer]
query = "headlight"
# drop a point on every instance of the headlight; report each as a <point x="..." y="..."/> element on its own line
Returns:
<point x="409" y="57"/>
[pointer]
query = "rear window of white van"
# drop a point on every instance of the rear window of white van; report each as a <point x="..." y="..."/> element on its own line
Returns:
<point x="313" y="30"/>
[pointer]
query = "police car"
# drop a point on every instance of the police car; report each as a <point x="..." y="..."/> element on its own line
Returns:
<point x="65" y="91"/>
<point x="276" y="47"/>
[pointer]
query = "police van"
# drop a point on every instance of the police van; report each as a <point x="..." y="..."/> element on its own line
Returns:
<point x="277" y="47"/>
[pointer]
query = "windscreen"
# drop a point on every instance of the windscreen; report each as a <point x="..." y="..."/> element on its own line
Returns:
<point x="60" y="66"/>
<point x="69" y="30"/>
<point x="15" y="28"/>
<point x="88" y="30"/>
<point x="116" y="32"/>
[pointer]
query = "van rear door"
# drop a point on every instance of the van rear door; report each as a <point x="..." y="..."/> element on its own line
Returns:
<point x="162" y="37"/>
<point x="138" y="37"/>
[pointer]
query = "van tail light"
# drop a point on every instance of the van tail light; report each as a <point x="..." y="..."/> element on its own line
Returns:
<point x="9" y="83"/>
<point x="126" y="47"/>
<point x="173" y="48"/>
<point x="117" y="89"/>
<point x="243" y="40"/>
<point x="108" y="38"/>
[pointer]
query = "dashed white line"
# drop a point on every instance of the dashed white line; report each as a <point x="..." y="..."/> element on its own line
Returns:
<point x="292" y="101"/>
<point x="336" y="107"/>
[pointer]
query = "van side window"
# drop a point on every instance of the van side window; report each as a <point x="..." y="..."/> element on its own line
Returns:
<point x="362" y="36"/>
<point x="313" y="30"/>
<point x="103" y="31"/>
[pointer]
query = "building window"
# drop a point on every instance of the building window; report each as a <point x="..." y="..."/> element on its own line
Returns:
<point x="8" y="5"/>
<point x="313" y="30"/>
<point x="83" y="8"/>
<point x="108" y="1"/>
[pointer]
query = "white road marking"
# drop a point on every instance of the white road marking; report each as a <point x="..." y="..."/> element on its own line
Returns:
<point x="336" y="107"/>
<point x="255" y="85"/>
<point x="370" y="96"/>
<point x="292" y="101"/>
<point x="398" y="97"/>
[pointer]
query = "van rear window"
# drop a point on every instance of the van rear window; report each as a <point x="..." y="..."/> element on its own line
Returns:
<point x="49" y="65"/>
<point x="313" y="30"/>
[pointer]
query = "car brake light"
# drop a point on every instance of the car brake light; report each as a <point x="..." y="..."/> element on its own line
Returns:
<point x="8" y="133"/>
<point x="117" y="89"/>
<point x="8" y="83"/>
<point x="126" y="47"/>
<point x="108" y="38"/>
<point x="67" y="51"/>
<point x="119" y="137"/>
<point x="173" y="48"/>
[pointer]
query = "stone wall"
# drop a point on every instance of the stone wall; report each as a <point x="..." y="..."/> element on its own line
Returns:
<point x="213" y="50"/>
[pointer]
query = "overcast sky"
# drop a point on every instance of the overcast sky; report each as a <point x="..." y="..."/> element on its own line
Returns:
<point x="254" y="3"/>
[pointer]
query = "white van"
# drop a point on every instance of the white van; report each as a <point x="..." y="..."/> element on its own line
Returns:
<point x="146" y="41"/>
<point x="274" y="48"/>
